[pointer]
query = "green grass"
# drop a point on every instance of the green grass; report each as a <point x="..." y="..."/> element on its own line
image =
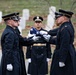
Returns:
<point x="36" y="7"/>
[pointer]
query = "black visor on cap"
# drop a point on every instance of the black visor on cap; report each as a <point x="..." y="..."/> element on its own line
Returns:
<point x="37" y="21"/>
<point x="57" y="15"/>
<point x="66" y="13"/>
<point x="12" y="16"/>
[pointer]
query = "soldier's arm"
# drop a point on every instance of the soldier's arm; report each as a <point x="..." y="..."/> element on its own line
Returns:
<point x="8" y="46"/>
<point x="28" y="52"/>
<point x="25" y="41"/>
<point x="49" y="53"/>
<point x="53" y="32"/>
<point x="64" y="46"/>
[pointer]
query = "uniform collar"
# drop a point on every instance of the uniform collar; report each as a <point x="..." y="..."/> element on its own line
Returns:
<point x="10" y="28"/>
<point x="63" y="24"/>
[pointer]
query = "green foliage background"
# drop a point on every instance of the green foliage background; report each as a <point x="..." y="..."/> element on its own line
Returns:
<point x="36" y="7"/>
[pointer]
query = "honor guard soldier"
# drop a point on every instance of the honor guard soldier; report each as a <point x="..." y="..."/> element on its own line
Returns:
<point x="64" y="57"/>
<point x="39" y="53"/>
<point x="12" y="62"/>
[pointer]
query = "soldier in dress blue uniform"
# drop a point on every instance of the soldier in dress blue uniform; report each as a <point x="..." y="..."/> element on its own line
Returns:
<point x="64" y="58"/>
<point x="39" y="53"/>
<point x="12" y="62"/>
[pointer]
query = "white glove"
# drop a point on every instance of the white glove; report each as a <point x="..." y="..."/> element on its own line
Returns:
<point x="30" y="35"/>
<point x="29" y="60"/>
<point x="43" y="32"/>
<point x="9" y="67"/>
<point x="48" y="59"/>
<point x="35" y="38"/>
<point x="47" y="37"/>
<point x="61" y="64"/>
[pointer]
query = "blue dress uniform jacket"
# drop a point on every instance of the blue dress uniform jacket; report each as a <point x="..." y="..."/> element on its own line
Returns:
<point x="12" y="52"/>
<point x="38" y="53"/>
<point x="64" y="51"/>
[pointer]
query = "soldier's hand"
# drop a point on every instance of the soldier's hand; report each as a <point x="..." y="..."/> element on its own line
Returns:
<point x="29" y="60"/>
<point x="48" y="59"/>
<point x="9" y="67"/>
<point x="61" y="64"/>
<point x="43" y="32"/>
<point x="47" y="37"/>
<point x="35" y="38"/>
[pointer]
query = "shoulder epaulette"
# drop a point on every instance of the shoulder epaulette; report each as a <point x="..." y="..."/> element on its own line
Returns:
<point x="64" y="27"/>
